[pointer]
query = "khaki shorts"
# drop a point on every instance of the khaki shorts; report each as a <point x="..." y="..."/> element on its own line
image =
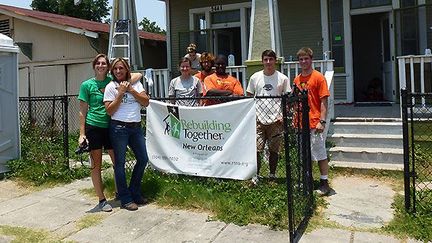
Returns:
<point x="272" y="134"/>
<point x="318" y="149"/>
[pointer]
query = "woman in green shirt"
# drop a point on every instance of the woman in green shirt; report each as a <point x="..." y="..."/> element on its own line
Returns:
<point x="94" y="122"/>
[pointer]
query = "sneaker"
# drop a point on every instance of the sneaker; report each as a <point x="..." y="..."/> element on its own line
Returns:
<point x="272" y="177"/>
<point x="141" y="201"/>
<point x="130" y="206"/>
<point x="255" y="180"/>
<point x="324" y="188"/>
<point x="105" y="206"/>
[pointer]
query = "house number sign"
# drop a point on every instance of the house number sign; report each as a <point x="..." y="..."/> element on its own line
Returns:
<point x="215" y="8"/>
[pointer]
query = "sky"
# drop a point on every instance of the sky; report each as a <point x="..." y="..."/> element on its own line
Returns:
<point x="154" y="10"/>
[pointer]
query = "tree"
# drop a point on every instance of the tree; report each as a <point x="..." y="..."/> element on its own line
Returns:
<point x="94" y="10"/>
<point x="147" y="25"/>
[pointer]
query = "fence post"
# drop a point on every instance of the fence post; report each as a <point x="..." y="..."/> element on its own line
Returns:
<point x="307" y="173"/>
<point x="405" y="135"/>
<point x="288" y="169"/>
<point x="66" y="128"/>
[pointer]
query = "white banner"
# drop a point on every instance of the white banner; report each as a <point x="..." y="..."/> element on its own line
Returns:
<point x="212" y="141"/>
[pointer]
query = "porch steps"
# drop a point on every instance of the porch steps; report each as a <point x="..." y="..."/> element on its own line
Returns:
<point x="373" y="143"/>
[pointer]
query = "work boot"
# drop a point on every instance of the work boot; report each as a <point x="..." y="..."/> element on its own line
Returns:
<point x="324" y="188"/>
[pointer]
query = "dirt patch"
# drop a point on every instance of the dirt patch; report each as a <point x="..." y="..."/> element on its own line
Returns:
<point x="10" y="189"/>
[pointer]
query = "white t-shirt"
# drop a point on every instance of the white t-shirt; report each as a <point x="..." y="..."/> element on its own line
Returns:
<point x="129" y="109"/>
<point x="188" y="88"/>
<point x="195" y="63"/>
<point x="268" y="110"/>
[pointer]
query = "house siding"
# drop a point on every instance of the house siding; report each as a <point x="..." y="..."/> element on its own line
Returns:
<point x="179" y="22"/>
<point x="300" y="23"/>
<point x="51" y="44"/>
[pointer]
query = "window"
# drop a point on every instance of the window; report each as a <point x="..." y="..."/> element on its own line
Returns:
<point x="200" y="22"/>
<point x="407" y="3"/>
<point x="225" y="17"/>
<point x="337" y="39"/>
<point x="5" y="27"/>
<point x="369" y="3"/>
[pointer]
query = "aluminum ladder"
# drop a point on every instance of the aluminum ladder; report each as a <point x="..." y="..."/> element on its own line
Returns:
<point x="120" y="41"/>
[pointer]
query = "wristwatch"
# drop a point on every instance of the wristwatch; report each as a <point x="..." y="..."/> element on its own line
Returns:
<point x="323" y="122"/>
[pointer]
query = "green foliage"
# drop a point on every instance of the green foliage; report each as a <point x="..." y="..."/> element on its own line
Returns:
<point x="94" y="10"/>
<point x="418" y="225"/>
<point x="42" y="160"/>
<point x="147" y="25"/>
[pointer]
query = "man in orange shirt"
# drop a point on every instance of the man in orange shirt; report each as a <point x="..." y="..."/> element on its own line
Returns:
<point x="220" y="83"/>
<point x="318" y="93"/>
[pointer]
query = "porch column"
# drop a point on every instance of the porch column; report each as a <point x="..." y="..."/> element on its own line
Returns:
<point x="264" y="33"/>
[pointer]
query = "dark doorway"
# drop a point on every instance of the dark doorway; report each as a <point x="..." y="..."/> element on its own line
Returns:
<point x="370" y="53"/>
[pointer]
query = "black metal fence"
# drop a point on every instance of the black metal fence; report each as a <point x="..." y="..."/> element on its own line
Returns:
<point x="48" y="116"/>
<point x="417" y="145"/>
<point x="294" y="167"/>
<point x="54" y="115"/>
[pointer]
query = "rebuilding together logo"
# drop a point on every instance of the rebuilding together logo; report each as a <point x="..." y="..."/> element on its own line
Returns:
<point x="196" y="131"/>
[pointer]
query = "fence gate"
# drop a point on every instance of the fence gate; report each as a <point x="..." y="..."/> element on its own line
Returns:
<point x="298" y="162"/>
<point x="417" y="145"/>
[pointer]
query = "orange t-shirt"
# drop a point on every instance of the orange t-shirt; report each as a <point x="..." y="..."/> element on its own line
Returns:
<point x="201" y="76"/>
<point x="224" y="83"/>
<point x="317" y="88"/>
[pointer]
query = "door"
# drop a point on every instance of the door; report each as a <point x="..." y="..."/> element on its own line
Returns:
<point x="223" y="42"/>
<point x="9" y="132"/>
<point x="228" y="41"/>
<point x="387" y="58"/>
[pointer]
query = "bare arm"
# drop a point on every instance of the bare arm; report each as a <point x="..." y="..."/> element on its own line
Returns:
<point x="83" y="108"/>
<point x="219" y="92"/>
<point x="135" y="77"/>
<point x="324" y="104"/>
<point x="112" y="106"/>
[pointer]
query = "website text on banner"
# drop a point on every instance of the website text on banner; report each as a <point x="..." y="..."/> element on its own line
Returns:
<point x="211" y="141"/>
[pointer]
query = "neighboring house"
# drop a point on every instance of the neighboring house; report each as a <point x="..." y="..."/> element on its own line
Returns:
<point x="363" y="37"/>
<point x="57" y="50"/>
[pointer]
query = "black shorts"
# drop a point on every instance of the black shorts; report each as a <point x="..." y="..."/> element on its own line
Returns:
<point x="97" y="137"/>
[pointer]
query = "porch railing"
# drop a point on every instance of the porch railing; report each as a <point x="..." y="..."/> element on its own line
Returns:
<point x="156" y="81"/>
<point x="415" y="75"/>
<point x="240" y="73"/>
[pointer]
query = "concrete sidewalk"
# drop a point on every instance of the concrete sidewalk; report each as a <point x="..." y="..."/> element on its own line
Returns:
<point x="59" y="211"/>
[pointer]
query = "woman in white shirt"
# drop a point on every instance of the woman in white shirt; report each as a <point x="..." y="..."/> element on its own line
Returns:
<point x="185" y="86"/>
<point x="123" y="102"/>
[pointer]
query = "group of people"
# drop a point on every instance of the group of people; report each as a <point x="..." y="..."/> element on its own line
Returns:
<point x="213" y="80"/>
<point x="207" y="82"/>
<point x="110" y="115"/>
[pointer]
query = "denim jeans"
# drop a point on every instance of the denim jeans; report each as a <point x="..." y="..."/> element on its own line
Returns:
<point x="122" y="135"/>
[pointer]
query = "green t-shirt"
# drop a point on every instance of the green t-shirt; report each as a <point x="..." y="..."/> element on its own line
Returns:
<point x="92" y="92"/>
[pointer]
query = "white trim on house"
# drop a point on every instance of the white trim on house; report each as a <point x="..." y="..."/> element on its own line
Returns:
<point x="243" y="33"/>
<point x="348" y="53"/>
<point x="168" y="32"/>
<point x="272" y="25"/>
<point x="324" y="25"/>
<point x="216" y="8"/>
<point x="379" y="9"/>
<point x="278" y="37"/>
<point x="249" y="56"/>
